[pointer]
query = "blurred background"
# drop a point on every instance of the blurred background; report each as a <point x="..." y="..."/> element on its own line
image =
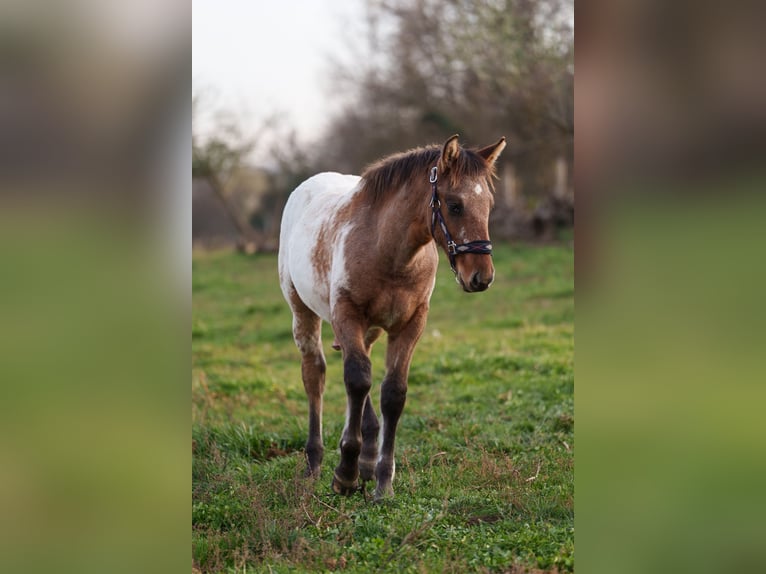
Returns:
<point x="95" y="265"/>
<point x="276" y="100"/>
<point x="670" y="175"/>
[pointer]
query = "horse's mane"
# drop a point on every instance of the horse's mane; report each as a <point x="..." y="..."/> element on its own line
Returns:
<point x="413" y="166"/>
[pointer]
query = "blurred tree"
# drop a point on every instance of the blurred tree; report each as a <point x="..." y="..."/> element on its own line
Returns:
<point x="215" y="159"/>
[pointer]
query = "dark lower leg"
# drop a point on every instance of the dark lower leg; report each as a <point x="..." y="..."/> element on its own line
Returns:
<point x="357" y="378"/>
<point x="393" y="394"/>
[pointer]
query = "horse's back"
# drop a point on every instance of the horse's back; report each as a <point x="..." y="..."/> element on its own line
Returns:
<point x="308" y="233"/>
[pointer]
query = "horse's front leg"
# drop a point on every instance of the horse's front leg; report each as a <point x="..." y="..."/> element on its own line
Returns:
<point x="358" y="380"/>
<point x="393" y="393"/>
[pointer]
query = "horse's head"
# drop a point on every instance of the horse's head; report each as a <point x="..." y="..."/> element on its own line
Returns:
<point x="465" y="192"/>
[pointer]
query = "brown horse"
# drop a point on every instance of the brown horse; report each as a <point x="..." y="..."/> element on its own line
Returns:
<point x="361" y="254"/>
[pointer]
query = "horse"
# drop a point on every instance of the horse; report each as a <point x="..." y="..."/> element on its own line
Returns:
<point x="361" y="254"/>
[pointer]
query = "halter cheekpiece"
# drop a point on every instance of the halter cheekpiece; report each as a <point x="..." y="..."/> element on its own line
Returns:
<point x="481" y="247"/>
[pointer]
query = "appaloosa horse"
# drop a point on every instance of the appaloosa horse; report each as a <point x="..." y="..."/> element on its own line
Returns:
<point x="361" y="254"/>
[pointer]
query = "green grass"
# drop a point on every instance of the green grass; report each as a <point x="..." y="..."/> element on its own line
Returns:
<point x="485" y="448"/>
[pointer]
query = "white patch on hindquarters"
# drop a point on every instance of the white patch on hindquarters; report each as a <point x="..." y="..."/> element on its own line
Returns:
<point x="308" y="216"/>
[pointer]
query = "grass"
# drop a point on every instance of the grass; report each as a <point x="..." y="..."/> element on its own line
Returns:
<point x="485" y="448"/>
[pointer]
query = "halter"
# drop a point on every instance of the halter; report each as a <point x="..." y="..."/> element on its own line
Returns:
<point x="481" y="247"/>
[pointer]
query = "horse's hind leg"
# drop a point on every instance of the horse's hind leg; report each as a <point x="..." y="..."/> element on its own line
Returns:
<point x="307" y="332"/>
<point x="370" y="426"/>
<point x="369" y="455"/>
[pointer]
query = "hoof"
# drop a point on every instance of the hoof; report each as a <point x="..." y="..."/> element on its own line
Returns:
<point x="344" y="488"/>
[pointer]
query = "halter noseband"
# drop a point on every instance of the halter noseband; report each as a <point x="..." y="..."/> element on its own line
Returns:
<point x="481" y="247"/>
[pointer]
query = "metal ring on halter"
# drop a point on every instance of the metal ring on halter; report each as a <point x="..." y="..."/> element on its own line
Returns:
<point x="432" y="177"/>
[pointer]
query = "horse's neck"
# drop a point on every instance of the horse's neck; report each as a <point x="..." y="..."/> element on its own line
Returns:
<point x="404" y="227"/>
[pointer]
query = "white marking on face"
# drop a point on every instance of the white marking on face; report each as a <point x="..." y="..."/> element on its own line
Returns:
<point x="461" y="234"/>
<point x="478" y="189"/>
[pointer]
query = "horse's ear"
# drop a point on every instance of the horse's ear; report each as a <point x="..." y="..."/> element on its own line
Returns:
<point x="450" y="151"/>
<point x="492" y="152"/>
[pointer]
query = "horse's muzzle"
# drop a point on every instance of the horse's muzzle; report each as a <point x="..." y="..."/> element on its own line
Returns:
<point x="477" y="283"/>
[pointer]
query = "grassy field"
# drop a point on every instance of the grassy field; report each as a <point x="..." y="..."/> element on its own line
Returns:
<point x="485" y="448"/>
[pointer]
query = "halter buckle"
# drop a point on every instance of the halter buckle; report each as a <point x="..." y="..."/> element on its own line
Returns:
<point x="432" y="178"/>
<point x="451" y="248"/>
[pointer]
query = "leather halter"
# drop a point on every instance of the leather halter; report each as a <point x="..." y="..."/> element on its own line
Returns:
<point x="482" y="247"/>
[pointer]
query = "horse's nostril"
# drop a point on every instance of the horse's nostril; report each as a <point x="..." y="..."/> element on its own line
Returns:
<point x="478" y="283"/>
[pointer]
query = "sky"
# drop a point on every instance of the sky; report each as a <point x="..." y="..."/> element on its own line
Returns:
<point x="260" y="57"/>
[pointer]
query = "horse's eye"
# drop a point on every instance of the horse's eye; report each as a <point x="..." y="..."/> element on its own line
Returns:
<point x="455" y="208"/>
